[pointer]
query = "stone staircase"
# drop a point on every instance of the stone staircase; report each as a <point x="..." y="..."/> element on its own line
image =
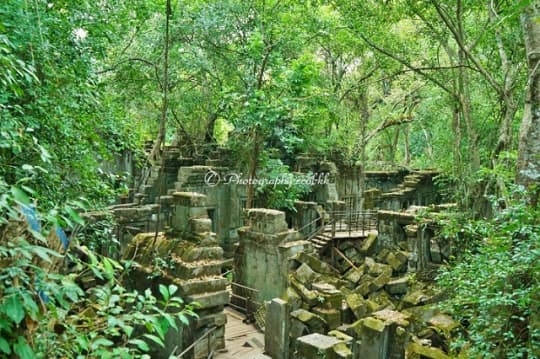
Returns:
<point x="321" y="240"/>
<point x="416" y="189"/>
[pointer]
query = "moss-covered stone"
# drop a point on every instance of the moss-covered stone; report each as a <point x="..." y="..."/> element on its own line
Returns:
<point x="418" y="351"/>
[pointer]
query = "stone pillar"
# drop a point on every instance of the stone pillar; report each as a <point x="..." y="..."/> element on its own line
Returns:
<point x="276" y="334"/>
<point x="190" y="212"/>
<point x="263" y="256"/>
<point x="381" y="336"/>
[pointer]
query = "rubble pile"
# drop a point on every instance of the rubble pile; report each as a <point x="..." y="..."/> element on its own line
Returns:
<point x="367" y="303"/>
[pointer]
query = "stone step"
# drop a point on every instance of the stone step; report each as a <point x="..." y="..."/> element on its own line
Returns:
<point x="319" y="242"/>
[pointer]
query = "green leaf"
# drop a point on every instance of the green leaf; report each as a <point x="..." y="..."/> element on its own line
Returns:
<point x="74" y="215"/>
<point x="172" y="289"/>
<point x="23" y="350"/>
<point x="141" y="344"/>
<point x="164" y="292"/>
<point x="101" y="342"/>
<point x="14" y="309"/>
<point x="20" y="196"/>
<point x="4" y="346"/>
<point x="155" y="339"/>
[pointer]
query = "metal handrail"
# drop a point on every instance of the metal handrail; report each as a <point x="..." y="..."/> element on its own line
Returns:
<point x="251" y="305"/>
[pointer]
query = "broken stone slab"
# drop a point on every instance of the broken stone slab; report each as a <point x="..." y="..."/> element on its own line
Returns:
<point x="315" y="263"/>
<point x="316" y="346"/>
<point x="308" y="296"/>
<point x="376" y="269"/>
<point x="329" y="296"/>
<point x="365" y="285"/>
<point x="418" y="351"/>
<point x="354" y="274"/>
<point x="416" y="298"/>
<point x="443" y="322"/>
<point x="397" y="286"/>
<point x="380" y="281"/>
<point x="332" y="317"/>
<point x="314" y="322"/>
<point x="392" y="317"/>
<point x="341" y="336"/>
<point x="382" y="299"/>
<point x="341" y="350"/>
<point x="294" y="300"/>
<point x="369" y="245"/>
<point x="305" y="275"/>
<point x="398" y="260"/>
<point x="358" y="305"/>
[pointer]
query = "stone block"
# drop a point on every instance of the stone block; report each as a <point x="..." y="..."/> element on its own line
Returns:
<point x="397" y="286"/>
<point x="196" y="269"/>
<point x="314" y="322"/>
<point x="374" y="336"/>
<point x="331" y="316"/>
<point x="341" y="336"/>
<point x="369" y="245"/>
<point x="209" y="300"/>
<point x="218" y="320"/>
<point x="329" y="296"/>
<point x="316" y="346"/>
<point x="354" y="275"/>
<point x="276" y="335"/>
<point x="294" y="300"/>
<point x="197" y="253"/>
<point x="305" y="275"/>
<point x="201" y="285"/>
<point x="308" y="296"/>
<point x="268" y="221"/>
<point x="380" y="281"/>
<point x="200" y="225"/>
<point x="315" y="263"/>
<point x="415" y="298"/>
<point x="189" y="199"/>
<point x="382" y="299"/>
<point x="357" y="304"/>
<point x="418" y="351"/>
<point x="341" y="350"/>
<point x="398" y="260"/>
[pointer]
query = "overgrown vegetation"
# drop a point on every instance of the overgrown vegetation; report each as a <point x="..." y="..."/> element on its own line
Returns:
<point x="494" y="283"/>
<point x="424" y="84"/>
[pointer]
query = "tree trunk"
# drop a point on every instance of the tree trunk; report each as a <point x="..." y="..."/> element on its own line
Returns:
<point x="155" y="154"/>
<point x="528" y="169"/>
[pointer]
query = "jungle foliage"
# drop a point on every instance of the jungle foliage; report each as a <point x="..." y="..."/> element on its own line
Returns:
<point x="418" y="84"/>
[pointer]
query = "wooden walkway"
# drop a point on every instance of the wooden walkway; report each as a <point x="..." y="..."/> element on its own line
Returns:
<point x="242" y="341"/>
